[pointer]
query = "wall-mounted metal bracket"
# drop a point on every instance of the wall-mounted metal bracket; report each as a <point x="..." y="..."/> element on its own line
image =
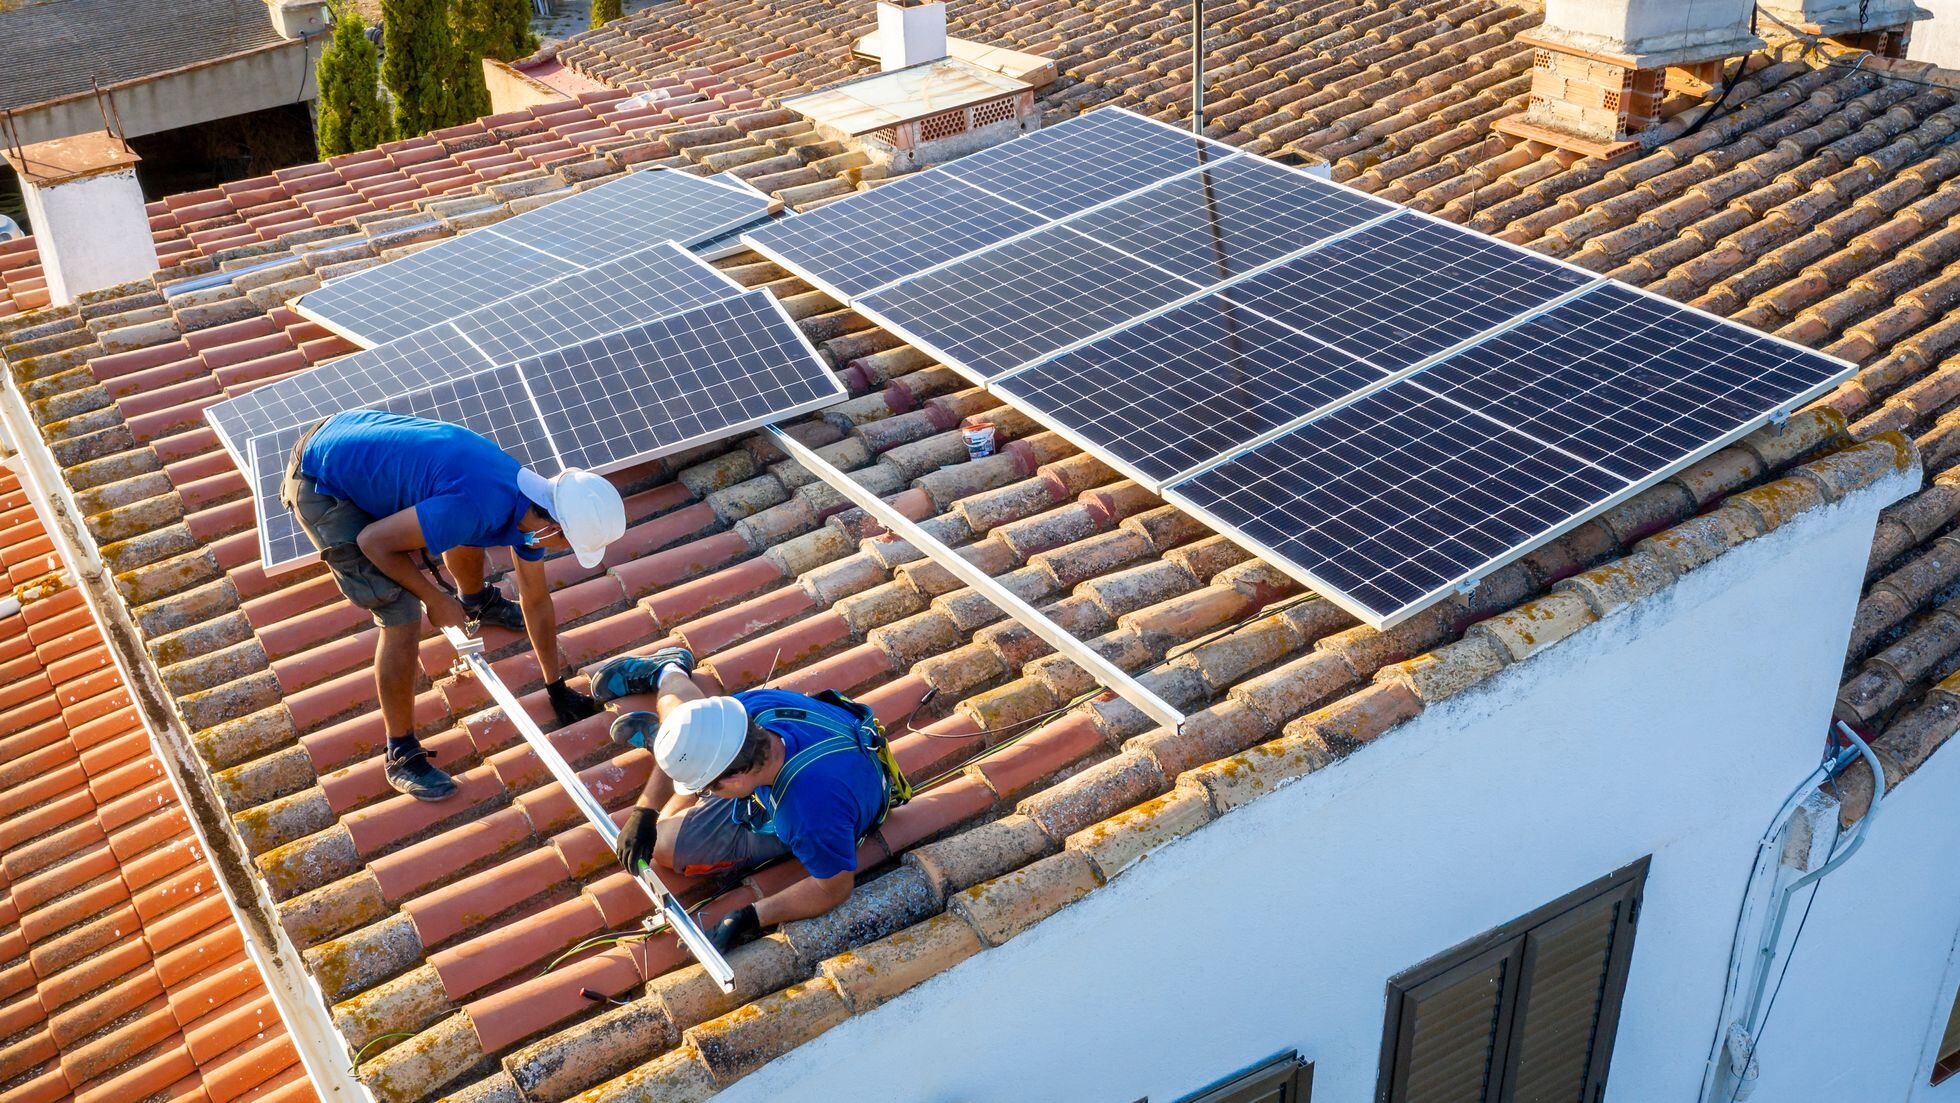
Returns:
<point x="1107" y="673"/>
<point x="469" y="654"/>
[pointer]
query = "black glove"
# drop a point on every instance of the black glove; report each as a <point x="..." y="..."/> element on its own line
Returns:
<point x="568" y="704"/>
<point x="636" y="837"/>
<point x="736" y="927"/>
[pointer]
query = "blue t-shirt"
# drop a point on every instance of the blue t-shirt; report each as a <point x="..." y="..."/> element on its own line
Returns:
<point x="462" y="486"/>
<point x="834" y="800"/>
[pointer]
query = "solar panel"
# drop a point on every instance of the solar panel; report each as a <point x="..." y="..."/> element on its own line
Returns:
<point x="1388" y="502"/>
<point x="1630" y="382"/>
<point x="992" y="312"/>
<point x="872" y="239"/>
<point x="609" y="297"/>
<point x="1073" y="165"/>
<point x="1406" y="289"/>
<point x="471" y="270"/>
<point x="686" y="378"/>
<point x="280" y="539"/>
<point x="626" y="215"/>
<point x="1227" y="220"/>
<point x="1182" y="388"/>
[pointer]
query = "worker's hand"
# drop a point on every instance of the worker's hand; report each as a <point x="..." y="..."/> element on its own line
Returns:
<point x="736" y="927"/>
<point x="636" y="838"/>
<point x="568" y="704"/>
<point x="447" y="612"/>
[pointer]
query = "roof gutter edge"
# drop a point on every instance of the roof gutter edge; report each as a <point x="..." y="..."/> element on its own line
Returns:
<point x="302" y="1005"/>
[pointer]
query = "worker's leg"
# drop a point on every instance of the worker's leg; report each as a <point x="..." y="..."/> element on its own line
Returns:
<point x="481" y="601"/>
<point x="395" y="658"/>
<point x="704" y="838"/>
<point x="466" y="567"/>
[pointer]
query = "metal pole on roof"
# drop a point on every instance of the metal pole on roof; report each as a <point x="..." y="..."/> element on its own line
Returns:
<point x="1197" y="66"/>
<point x="668" y="906"/>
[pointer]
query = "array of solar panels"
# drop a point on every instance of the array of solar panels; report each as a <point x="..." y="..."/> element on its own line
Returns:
<point x="1381" y="403"/>
<point x="620" y="360"/>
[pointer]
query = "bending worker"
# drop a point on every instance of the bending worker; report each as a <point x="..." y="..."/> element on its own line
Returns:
<point x="375" y="490"/>
<point x="742" y="780"/>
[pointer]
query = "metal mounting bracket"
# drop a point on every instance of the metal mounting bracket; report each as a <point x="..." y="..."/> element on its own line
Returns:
<point x="1107" y="673"/>
<point x="469" y="654"/>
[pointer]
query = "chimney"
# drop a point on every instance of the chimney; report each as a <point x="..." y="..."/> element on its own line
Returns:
<point x="1880" y="26"/>
<point x="298" y="18"/>
<point x="911" y="32"/>
<point x="86" y="209"/>
<point x="1600" y="68"/>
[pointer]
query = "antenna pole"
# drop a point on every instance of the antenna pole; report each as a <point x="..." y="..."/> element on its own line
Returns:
<point x="1197" y="66"/>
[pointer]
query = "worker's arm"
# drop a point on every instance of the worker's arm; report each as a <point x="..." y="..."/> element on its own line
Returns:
<point x="540" y="618"/>
<point x="387" y="544"/>
<point x="805" y="899"/>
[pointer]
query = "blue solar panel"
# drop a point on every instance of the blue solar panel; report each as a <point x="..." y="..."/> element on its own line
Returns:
<point x="1071" y="166"/>
<point x="626" y="215"/>
<point x="1630" y="382"/>
<point x="1406" y="289"/>
<point x="1186" y="386"/>
<point x="993" y="312"/>
<point x="1225" y="221"/>
<point x="1390" y="501"/>
<point x="893" y="231"/>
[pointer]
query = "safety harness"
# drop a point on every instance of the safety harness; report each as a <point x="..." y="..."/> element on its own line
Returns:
<point x="863" y="736"/>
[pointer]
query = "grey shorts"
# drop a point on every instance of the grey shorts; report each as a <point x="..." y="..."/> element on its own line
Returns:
<point x="334" y="524"/>
<point x="710" y="841"/>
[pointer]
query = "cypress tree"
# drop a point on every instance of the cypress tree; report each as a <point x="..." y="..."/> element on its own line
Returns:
<point x="605" y="11"/>
<point x="496" y="28"/>
<point x="352" y="115"/>
<point x="434" y="82"/>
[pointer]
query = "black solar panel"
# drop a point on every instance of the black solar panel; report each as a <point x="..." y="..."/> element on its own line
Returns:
<point x="995" y="311"/>
<point x="686" y="378"/>
<point x="1061" y="169"/>
<point x="1390" y="501"/>
<point x="861" y="243"/>
<point x="1225" y="221"/>
<point x="1185" y="387"/>
<point x="1406" y="289"/>
<point x="1629" y="381"/>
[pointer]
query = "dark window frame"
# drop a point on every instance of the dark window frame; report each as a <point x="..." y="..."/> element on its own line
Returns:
<point x="1281" y="1072"/>
<point x="1508" y="941"/>
<point x="1946" y="1059"/>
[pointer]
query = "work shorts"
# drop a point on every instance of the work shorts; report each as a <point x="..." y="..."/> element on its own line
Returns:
<point x="334" y="524"/>
<point x="710" y="841"/>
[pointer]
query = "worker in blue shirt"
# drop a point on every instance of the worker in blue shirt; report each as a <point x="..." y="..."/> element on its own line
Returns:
<point x="374" y="491"/>
<point x="745" y="779"/>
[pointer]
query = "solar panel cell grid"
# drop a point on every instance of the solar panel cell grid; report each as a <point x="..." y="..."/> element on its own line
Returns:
<point x="1031" y="297"/>
<point x="1629" y="382"/>
<point x="405" y="296"/>
<point x="1071" y="166"/>
<point x="1392" y="499"/>
<point x="1406" y="289"/>
<point x="1227" y="220"/>
<point x="629" y="214"/>
<point x="1191" y="384"/>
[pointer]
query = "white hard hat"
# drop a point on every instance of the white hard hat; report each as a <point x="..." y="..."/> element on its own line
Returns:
<point x="698" y="739"/>
<point x="589" y="511"/>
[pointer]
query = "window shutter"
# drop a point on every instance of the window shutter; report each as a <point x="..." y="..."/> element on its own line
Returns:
<point x="1451" y="1029"/>
<point x="1569" y="972"/>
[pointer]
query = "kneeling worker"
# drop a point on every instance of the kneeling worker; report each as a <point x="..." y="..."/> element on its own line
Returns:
<point x="742" y="780"/>
<point x="375" y="490"/>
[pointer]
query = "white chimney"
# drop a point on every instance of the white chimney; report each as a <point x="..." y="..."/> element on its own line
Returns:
<point x="910" y="32"/>
<point x="1880" y="26"/>
<point x="298" y="18"/>
<point x="86" y="209"/>
<point x="1651" y="33"/>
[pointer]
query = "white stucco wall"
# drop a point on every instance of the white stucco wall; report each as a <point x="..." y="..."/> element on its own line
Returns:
<point x="1937" y="39"/>
<point x="93" y="233"/>
<point x="1675" y="730"/>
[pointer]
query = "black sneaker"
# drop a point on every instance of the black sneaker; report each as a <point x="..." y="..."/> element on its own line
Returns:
<point x="493" y="608"/>
<point x="634" y="729"/>
<point x="412" y="773"/>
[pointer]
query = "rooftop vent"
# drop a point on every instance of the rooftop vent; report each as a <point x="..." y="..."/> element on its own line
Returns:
<point x="87" y="212"/>
<point x="934" y="111"/>
<point x="913" y="32"/>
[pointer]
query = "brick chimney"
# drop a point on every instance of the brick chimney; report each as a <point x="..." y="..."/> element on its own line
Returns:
<point x="911" y="32"/>
<point x="1601" y="67"/>
<point x="86" y="209"/>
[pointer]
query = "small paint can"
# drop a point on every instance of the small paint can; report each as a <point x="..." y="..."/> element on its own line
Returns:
<point x="979" y="438"/>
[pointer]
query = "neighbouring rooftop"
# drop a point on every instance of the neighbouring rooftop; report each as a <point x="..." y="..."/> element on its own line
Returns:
<point x="1816" y="206"/>
<point x="51" y="49"/>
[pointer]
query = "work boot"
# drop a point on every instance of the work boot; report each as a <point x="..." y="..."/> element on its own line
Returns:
<point x="492" y="608"/>
<point x="630" y="674"/>
<point x="635" y="729"/>
<point x="411" y="772"/>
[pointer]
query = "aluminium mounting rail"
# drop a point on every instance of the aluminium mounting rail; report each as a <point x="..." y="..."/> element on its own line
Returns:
<point x="1112" y="677"/>
<point x="666" y="905"/>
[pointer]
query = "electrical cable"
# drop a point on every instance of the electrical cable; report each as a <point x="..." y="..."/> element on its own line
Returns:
<point x="1756" y="1041"/>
